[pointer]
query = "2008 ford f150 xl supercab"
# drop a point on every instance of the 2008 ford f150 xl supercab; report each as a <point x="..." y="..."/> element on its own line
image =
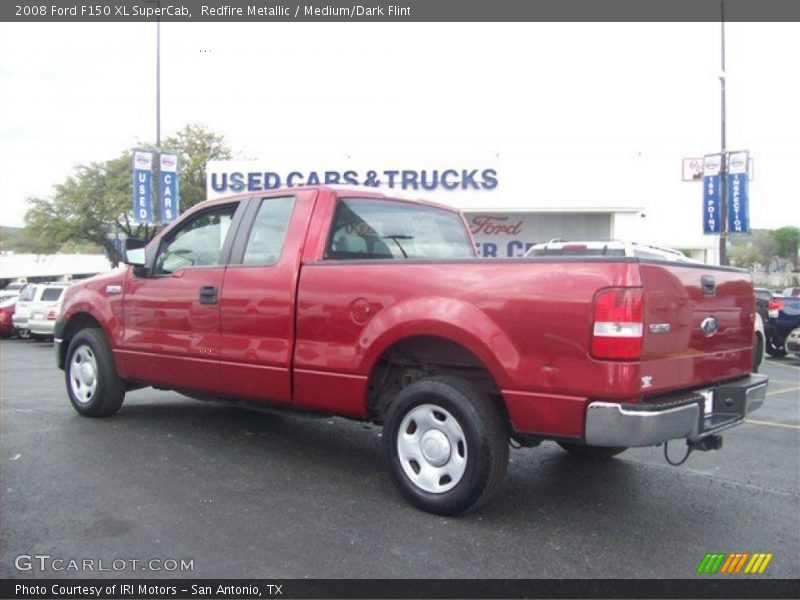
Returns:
<point x="354" y="304"/>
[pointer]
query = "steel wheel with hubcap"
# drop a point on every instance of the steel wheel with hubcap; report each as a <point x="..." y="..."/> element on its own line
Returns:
<point x="432" y="448"/>
<point x="83" y="374"/>
<point x="93" y="385"/>
<point x="447" y="445"/>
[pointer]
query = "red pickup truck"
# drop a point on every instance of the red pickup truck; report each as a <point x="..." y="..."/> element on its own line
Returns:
<point x="354" y="304"/>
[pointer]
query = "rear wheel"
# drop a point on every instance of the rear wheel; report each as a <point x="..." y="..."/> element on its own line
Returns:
<point x="446" y="444"/>
<point x="585" y="452"/>
<point x="93" y="386"/>
<point x="24" y="333"/>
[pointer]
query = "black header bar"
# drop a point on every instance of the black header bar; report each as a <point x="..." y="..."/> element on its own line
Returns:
<point x="396" y="10"/>
<point x="732" y="587"/>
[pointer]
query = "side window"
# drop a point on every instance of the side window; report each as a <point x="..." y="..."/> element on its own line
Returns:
<point x="198" y="242"/>
<point x="28" y="293"/>
<point x="269" y="231"/>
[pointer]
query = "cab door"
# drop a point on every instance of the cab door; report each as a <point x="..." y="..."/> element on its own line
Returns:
<point x="258" y="297"/>
<point x="171" y="313"/>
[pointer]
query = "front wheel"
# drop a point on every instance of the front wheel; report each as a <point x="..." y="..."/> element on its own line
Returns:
<point x="446" y="444"/>
<point x="591" y="452"/>
<point x="93" y="386"/>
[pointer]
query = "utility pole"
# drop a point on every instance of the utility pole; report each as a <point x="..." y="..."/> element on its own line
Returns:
<point x="158" y="81"/>
<point x="723" y="173"/>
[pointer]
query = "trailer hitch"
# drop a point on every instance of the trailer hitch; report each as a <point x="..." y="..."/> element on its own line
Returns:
<point x="704" y="444"/>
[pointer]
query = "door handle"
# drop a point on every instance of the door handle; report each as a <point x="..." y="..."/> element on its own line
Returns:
<point x="208" y="294"/>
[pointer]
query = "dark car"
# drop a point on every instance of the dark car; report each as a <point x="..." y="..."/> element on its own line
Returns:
<point x="783" y="315"/>
<point x="763" y="296"/>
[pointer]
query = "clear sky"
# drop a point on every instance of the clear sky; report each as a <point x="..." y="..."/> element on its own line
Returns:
<point x="626" y="94"/>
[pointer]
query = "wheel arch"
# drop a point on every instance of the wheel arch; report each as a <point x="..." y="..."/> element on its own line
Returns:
<point x="413" y="357"/>
<point x="76" y="322"/>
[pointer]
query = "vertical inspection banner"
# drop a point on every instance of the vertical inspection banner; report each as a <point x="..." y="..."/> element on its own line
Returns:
<point x="168" y="188"/>
<point x="142" y="186"/>
<point x="738" y="201"/>
<point x="711" y="200"/>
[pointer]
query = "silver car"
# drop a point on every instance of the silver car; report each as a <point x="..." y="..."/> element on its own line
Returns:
<point x="35" y="307"/>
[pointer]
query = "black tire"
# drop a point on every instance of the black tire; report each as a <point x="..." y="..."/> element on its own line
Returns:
<point x="775" y="350"/>
<point x="109" y="389"/>
<point x="24" y="334"/>
<point x="585" y="452"/>
<point x="482" y="443"/>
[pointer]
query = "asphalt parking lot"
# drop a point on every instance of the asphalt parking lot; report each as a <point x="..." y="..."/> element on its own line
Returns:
<point x="261" y="494"/>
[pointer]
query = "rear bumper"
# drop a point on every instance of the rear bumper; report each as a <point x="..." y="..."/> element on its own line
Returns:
<point x="681" y="416"/>
<point x="41" y="327"/>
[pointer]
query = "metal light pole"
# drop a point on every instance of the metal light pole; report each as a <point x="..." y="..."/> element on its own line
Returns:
<point x="158" y="80"/>
<point x="157" y="167"/>
<point x="723" y="174"/>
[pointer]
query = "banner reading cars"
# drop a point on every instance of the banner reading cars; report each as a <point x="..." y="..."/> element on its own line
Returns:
<point x="142" y="187"/>
<point x="168" y="188"/>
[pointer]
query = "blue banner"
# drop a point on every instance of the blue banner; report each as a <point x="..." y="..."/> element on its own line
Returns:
<point x="142" y="187"/>
<point x="168" y="188"/>
<point x="711" y="204"/>
<point x="738" y="209"/>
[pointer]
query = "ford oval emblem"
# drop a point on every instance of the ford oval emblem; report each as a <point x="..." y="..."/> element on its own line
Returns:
<point x="709" y="326"/>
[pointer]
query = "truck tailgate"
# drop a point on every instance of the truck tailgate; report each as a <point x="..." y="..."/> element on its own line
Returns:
<point x="698" y="325"/>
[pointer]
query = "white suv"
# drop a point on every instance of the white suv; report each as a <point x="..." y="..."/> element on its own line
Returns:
<point x="35" y="307"/>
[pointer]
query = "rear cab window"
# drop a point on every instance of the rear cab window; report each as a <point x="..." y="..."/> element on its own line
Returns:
<point x="365" y="228"/>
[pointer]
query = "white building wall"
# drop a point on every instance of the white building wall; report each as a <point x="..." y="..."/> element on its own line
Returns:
<point x="644" y="193"/>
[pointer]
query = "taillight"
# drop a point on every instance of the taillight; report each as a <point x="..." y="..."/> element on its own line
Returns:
<point x="774" y="308"/>
<point x="617" y="324"/>
<point x="775" y="304"/>
<point x="52" y="315"/>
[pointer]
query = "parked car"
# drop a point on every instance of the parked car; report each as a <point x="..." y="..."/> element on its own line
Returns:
<point x="44" y="313"/>
<point x="42" y="295"/>
<point x="14" y="287"/>
<point x="607" y="248"/>
<point x="792" y="292"/>
<point x="350" y="303"/>
<point x="763" y="296"/>
<point x="783" y="314"/>
<point x="793" y="343"/>
<point x="7" y="306"/>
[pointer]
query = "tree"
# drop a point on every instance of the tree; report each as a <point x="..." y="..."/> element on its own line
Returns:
<point x="97" y="199"/>
<point x="787" y="241"/>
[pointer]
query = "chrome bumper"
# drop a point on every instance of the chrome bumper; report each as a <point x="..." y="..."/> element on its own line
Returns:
<point x="679" y="417"/>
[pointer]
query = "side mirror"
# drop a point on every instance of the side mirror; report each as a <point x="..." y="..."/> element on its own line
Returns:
<point x="134" y="254"/>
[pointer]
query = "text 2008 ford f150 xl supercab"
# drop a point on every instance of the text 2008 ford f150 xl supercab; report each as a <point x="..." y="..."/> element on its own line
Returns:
<point x="354" y="304"/>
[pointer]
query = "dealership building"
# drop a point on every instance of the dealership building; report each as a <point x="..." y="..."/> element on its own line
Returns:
<point x="511" y="199"/>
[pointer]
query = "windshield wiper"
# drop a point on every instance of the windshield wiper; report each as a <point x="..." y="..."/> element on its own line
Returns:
<point x="397" y="237"/>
